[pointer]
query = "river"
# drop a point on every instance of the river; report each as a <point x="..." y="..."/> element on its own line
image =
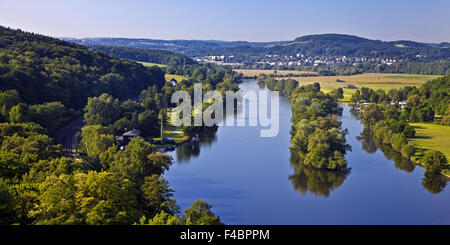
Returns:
<point x="251" y="180"/>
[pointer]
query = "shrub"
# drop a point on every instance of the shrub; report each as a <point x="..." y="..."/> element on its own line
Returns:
<point x="408" y="151"/>
<point x="434" y="161"/>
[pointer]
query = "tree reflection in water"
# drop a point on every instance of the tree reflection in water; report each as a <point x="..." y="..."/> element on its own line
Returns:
<point x="320" y="182"/>
<point x="370" y="144"/>
<point x="432" y="182"/>
<point x="202" y="137"/>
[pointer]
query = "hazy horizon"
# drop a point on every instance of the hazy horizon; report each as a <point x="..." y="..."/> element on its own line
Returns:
<point x="218" y="40"/>
<point x="253" y="21"/>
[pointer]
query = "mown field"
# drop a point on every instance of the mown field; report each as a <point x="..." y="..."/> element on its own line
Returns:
<point x="432" y="136"/>
<point x="177" y="77"/>
<point x="374" y="81"/>
<point x="370" y="80"/>
<point x="151" y="64"/>
<point x="168" y="76"/>
<point x="252" y="73"/>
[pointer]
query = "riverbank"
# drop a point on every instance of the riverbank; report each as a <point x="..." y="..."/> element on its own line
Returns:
<point x="418" y="151"/>
<point x="253" y="180"/>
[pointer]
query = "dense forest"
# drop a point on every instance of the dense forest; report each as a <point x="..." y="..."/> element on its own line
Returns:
<point x="347" y="45"/>
<point x="66" y="72"/>
<point x="147" y="55"/>
<point x="45" y="83"/>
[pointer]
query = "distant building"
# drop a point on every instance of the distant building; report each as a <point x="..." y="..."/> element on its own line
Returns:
<point x="173" y="82"/>
<point x="125" y="138"/>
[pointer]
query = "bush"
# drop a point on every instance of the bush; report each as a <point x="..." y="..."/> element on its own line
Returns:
<point x="398" y="141"/>
<point x="434" y="161"/>
<point x="408" y="151"/>
<point x="409" y="132"/>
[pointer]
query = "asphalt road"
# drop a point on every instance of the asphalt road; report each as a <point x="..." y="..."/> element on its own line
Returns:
<point x="67" y="136"/>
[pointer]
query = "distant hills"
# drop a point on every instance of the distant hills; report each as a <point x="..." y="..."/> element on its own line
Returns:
<point x="44" y="69"/>
<point x="314" y="45"/>
<point x="148" y="55"/>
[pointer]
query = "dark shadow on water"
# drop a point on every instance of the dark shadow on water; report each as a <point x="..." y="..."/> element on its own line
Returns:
<point x="319" y="182"/>
<point x="205" y="136"/>
<point x="433" y="182"/>
<point x="370" y="145"/>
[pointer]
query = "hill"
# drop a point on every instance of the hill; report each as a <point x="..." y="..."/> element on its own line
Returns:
<point x="314" y="45"/>
<point x="191" y="48"/>
<point x="165" y="57"/>
<point x="347" y="45"/>
<point x="44" y="69"/>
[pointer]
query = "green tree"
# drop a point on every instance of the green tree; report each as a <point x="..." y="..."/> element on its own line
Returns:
<point x="162" y="218"/>
<point x="158" y="195"/>
<point x="434" y="161"/>
<point x="372" y="114"/>
<point x="49" y="115"/>
<point x="337" y="93"/>
<point x="19" y="113"/>
<point x="138" y="161"/>
<point x="149" y="123"/>
<point x="57" y="204"/>
<point x="200" y="214"/>
<point x="102" y="110"/>
<point x="7" y="214"/>
<point x="408" y="151"/>
<point x="103" y="198"/>
<point x="96" y="139"/>
<point x="8" y="99"/>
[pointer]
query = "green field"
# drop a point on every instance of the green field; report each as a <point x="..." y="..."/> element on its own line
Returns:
<point x="370" y="80"/>
<point x="385" y="81"/>
<point x="179" y="78"/>
<point x="151" y="64"/>
<point x="167" y="76"/>
<point x="347" y="93"/>
<point x="173" y="132"/>
<point x="432" y="136"/>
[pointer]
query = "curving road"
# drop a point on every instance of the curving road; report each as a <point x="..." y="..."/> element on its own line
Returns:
<point x="67" y="136"/>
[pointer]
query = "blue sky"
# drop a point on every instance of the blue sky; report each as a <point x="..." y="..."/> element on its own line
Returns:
<point x="252" y="20"/>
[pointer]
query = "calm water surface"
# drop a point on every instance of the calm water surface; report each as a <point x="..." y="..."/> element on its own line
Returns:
<point x="250" y="180"/>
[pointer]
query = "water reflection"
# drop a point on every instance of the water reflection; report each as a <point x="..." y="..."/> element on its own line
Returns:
<point x="202" y="137"/>
<point x="370" y="144"/>
<point x="319" y="182"/>
<point x="433" y="182"/>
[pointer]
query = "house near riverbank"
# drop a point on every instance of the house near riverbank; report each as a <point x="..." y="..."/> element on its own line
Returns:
<point x="125" y="138"/>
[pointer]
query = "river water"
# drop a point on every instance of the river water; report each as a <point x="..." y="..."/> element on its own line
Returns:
<point x="251" y="180"/>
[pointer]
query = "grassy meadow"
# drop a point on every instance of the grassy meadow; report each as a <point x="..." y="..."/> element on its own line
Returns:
<point x="432" y="136"/>
<point x="374" y="81"/>
<point x="167" y="76"/>
<point x="177" y="77"/>
<point x="151" y="64"/>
